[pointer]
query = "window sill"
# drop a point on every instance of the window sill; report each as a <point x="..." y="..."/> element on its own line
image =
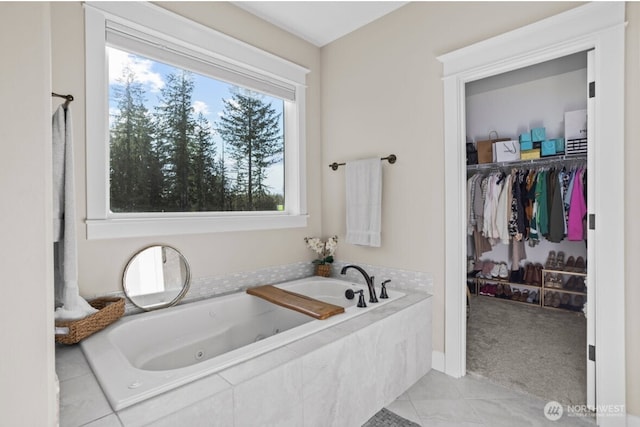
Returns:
<point x="114" y="228"/>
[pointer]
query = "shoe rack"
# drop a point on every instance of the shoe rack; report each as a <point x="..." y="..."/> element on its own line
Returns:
<point x="554" y="286"/>
<point x="522" y="293"/>
<point x="563" y="289"/>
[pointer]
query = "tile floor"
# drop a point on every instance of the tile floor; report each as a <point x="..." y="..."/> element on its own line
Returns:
<point x="439" y="400"/>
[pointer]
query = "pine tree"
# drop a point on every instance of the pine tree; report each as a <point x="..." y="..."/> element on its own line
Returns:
<point x="135" y="175"/>
<point x="204" y="177"/>
<point x="175" y="127"/>
<point x="250" y="128"/>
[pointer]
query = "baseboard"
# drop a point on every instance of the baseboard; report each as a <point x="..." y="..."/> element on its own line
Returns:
<point x="633" y="420"/>
<point x="437" y="361"/>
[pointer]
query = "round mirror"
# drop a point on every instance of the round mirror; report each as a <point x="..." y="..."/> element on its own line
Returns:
<point x="156" y="277"/>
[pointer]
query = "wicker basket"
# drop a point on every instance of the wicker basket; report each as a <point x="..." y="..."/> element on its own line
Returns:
<point x="110" y="310"/>
<point x="323" y="270"/>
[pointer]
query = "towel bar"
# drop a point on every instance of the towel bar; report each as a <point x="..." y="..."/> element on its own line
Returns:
<point x="391" y="158"/>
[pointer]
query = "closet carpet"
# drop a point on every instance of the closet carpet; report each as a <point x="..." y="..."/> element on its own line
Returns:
<point x="528" y="348"/>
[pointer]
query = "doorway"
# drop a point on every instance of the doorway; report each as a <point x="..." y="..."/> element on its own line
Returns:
<point x="598" y="26"/>
<point x="530" y="334"/>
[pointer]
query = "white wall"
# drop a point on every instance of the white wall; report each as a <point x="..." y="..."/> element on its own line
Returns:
<point x="27" y="395"/>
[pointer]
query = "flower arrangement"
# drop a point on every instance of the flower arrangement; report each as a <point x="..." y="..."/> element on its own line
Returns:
<point x="324" y="249"/>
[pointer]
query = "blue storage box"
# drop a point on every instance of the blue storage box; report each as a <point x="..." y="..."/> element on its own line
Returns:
<point x="559" y="145"/>
<point x="538" y="135"/>
<point x="525" y="141"/>
<point x="548" y="147"/>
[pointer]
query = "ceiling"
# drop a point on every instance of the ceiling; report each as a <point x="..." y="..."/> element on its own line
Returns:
<point x="319" y="22"/>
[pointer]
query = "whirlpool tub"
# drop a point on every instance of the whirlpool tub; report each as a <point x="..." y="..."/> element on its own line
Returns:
<point x="144" y="355"/>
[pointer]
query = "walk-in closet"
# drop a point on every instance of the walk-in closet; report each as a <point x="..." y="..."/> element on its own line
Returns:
<point x="526" y="221"/>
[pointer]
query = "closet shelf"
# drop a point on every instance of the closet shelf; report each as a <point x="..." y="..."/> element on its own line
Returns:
<point x="572" y="273"/>
<point x="533" y="162"/>
<point x="503" y="282"/>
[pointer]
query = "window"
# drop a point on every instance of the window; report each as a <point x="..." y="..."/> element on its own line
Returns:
<point x="183" y="138"/>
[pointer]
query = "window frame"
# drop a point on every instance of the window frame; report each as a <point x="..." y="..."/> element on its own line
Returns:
<point x="159" y="23"/>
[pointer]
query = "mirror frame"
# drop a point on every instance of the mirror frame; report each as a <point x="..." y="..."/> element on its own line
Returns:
<point x="174" y="301"/>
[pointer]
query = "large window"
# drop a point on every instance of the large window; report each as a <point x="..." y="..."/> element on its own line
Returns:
<point x="183" y="138"/>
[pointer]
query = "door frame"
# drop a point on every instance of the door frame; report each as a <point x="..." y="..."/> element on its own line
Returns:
<point x="599" y="26"/>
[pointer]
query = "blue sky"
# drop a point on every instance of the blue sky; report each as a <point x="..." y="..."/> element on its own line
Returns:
<point x="207" y="96"/>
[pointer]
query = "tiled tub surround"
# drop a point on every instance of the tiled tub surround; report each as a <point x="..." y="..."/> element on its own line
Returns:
<point x="339" y="376"/>
<point x="144" y="355"/>
<point x="208" y="287"/>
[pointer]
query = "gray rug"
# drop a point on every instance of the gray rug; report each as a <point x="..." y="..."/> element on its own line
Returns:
<point x="528" y="348"/>
<point x="386" y="418"/>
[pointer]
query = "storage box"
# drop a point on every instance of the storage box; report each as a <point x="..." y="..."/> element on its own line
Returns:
<point x="538" y="134"/>
<point x="525" y="141"/>
<point x="575" y="124"/>
<point x="530" y="154"/>
<point x="548" y="148"/>
<point x="576" y="146"/>
<point x="559" y="145"/>
<point x="506" y="151"/>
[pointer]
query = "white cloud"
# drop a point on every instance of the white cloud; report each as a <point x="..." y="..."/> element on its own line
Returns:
<point x="119" y="60"/>
<point x="201" y="107"/>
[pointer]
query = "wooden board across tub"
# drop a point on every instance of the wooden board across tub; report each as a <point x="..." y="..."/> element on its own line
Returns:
<point x="300" y="303"/>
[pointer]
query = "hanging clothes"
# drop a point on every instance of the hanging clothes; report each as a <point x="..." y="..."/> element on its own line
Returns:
<point x="577" y="209"/>
<point x="556" y="209"/>
<point x="526" y="205"/>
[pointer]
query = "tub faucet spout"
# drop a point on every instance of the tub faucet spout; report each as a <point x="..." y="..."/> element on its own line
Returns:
<point x="367" y="279"/>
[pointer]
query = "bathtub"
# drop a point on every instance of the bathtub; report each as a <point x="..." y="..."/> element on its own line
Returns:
<point x="144" y="355"/>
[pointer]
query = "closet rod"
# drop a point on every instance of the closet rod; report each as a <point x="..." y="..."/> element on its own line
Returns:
<point x="391" y="158"/>
<point x="532" y="162"/>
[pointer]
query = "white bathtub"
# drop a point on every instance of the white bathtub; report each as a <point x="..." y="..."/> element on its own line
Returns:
<point x="143" y="355"/>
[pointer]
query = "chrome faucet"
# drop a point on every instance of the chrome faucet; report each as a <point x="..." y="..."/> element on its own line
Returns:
<point x="369" y="280"/>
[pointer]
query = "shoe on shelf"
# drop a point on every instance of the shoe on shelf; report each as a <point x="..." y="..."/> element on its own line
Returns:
<point x="560" y="260"/>
<point x="537" y="279"/>
<point x="579" y="284"/>
<point x="507" y="291"/>
<point x="555" y="300"/>
<point x="503" y="271"/>
<point x="486" y="269"/>
<point x="578" y="302"/>
<point x="516" y="295"/>
<point x="548" y="296"/>
<point x="570" y="285"/>
<point x="570" y="265"/>
<point x="581" y="266"/>
<point x="551" y="261"/>
<point x="495" y="271"/>
<point x="515" y="276"/>
<point x="528" y="274"/>
<point x="565" y="299"/>
<point x="559" y="281"/>
<point x="500" y="291"/>
<point x="524" y="295"/>
<point x="533" y="297"/>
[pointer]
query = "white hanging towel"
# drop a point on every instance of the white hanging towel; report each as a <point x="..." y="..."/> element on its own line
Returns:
<point x="70" y="305"/>
<point x="364" y="201"/>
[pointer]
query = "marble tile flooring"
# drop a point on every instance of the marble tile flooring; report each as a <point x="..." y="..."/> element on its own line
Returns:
<point x="439" y="400"/>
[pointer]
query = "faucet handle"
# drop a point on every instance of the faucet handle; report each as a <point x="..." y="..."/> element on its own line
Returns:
<point x="383" y="291"/>
<point x="361" y="302"/>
